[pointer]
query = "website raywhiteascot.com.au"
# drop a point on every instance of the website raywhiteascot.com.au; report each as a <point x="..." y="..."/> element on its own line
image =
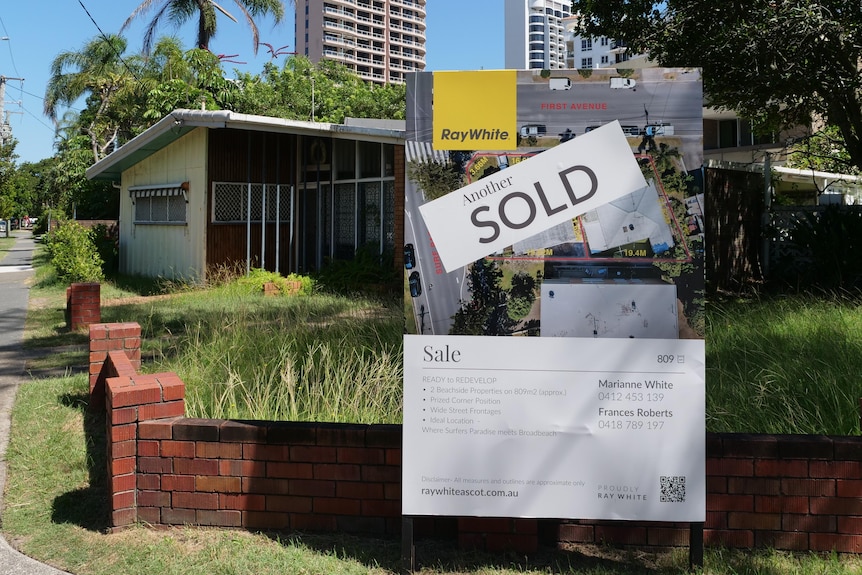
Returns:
<point x="455" y="492"/>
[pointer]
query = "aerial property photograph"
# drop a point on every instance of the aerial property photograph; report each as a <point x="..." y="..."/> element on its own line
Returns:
<point x="645" y="242"/>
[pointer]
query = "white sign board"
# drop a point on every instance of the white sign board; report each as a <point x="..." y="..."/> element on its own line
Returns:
<point x="532" y="196"/>
<point x="554" y="427"/>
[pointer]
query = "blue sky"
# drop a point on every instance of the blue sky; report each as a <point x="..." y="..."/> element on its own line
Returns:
<point x="462" y="35"/>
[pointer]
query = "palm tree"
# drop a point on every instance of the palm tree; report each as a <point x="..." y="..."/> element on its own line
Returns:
<point x="179" y="11"/>
<point x="99" y="72"/>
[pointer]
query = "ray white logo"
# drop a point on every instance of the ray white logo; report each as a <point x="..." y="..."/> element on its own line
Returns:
<point x="473" y="135"/>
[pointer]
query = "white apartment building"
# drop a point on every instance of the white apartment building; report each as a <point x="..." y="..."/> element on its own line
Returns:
<point x="601" y="52"/>
<point x="536" y="34"/>
<point x="380" y="40"/>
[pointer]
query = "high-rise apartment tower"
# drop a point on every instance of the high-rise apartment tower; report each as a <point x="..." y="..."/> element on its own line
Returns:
<point x="535" y="34"/>
<point x="381" y="40"/>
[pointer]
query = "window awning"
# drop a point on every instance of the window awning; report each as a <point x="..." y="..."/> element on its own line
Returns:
<point x="156" y="190"/>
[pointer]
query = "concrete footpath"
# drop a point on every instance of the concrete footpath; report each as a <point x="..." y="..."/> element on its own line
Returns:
<point x="16" y="273"/>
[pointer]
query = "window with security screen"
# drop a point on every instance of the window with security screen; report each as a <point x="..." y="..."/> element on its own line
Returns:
<point x="165" y="204"/>
<point x="237" y="202"/>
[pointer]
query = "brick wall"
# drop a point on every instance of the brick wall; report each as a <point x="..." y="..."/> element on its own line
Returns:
<point x="270" y="475"/>
<point x="780" y="491"/>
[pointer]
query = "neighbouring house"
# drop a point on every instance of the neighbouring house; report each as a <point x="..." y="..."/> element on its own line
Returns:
<point x="801" y="187"/>
<point x="201" y="189"/>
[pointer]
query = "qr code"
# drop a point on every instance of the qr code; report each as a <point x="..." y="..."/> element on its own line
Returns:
<point x="672" y="488"/>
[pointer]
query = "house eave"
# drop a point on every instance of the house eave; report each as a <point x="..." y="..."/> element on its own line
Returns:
<point x="180" y="122"/>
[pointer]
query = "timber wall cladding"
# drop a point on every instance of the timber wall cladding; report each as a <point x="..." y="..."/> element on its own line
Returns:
<point x="779" y="491"/>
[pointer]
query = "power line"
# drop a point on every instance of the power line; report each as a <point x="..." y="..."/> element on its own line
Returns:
<point x="109" y="43"/>
<point x="7" y="39"/>
<point x="38" y="119"/>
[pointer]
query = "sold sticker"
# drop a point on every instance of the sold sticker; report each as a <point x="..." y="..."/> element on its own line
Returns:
<point x="532" y="196"/>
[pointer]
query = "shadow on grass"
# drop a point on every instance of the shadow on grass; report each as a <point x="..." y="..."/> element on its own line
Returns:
<point x="60" y="335"/>
<point x="87" y="507"/>
<point x="444" y="556"/>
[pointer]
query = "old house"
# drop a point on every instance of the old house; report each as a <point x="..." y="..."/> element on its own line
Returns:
<point x="200" y="189"/>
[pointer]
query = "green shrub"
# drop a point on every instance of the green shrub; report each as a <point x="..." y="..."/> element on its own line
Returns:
<point x="73" y="253"/>
<point x="369" y="271"/>
<point x="306" y="284"/>
<point x="257" y="278"/>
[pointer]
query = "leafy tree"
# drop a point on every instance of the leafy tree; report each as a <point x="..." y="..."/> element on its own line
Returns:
<point x="178" y="12"/>
<point x="486" y="312"/>
<point x="523" y="285"/>
<point x="191" y="79"/>
<point x="69" y="189"/>
<point x="435" y="178"/>
<point x="34" y="177"/>
<point x="327" y="92"/>
<point x="109" y="82"/>
<point x="777" y="62"/>
<point x="823" y="151"/>
<point x="9" y="200"/>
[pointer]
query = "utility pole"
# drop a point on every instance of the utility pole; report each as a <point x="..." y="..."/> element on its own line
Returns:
<point x="5" y="128"/>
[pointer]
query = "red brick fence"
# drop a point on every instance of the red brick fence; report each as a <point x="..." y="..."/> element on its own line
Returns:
<point x="778" y="491"/>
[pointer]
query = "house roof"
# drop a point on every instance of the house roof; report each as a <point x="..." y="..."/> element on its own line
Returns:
<point x="180" y="122"/>
<point x="788" y="174"/>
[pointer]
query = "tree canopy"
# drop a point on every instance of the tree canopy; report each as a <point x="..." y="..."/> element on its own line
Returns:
<point x="326" y="91"/>
<point x="780" y="63"/>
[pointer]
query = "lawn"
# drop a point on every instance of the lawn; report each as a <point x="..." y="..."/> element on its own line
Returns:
<point x="783" y="365"/>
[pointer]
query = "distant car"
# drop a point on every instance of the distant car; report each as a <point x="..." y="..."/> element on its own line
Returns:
<point x="409" y="256"/>
<point x="534" y="130"/>
<point x="559" y="83"/>
<point x="415" y="285"/>
<point x="662" y="129"/>
<point x="2" y="226"/>
<point x="624" y="83"/>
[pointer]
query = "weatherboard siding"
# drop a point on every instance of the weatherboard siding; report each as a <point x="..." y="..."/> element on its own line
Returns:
<point x="167" y="250"/>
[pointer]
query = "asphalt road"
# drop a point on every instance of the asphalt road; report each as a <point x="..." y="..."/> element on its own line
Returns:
<point x="15" y="275"/>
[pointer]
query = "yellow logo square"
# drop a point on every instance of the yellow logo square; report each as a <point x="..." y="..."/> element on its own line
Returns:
<point x="475" y="110"/>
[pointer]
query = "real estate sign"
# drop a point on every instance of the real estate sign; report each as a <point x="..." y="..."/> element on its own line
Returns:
<point x="554" y="427"/>
<point x="551" y="211"/>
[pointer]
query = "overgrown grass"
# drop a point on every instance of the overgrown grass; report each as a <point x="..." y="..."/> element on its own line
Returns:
<point x="785" y="365"/>
<point x="777" y="365"/>
<point x="321" y="358"/>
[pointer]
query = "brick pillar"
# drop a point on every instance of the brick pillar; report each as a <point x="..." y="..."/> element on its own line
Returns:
<point x="83" y="306"/>
<point x="129" y="401"/>
<point x="105" y="338"/>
